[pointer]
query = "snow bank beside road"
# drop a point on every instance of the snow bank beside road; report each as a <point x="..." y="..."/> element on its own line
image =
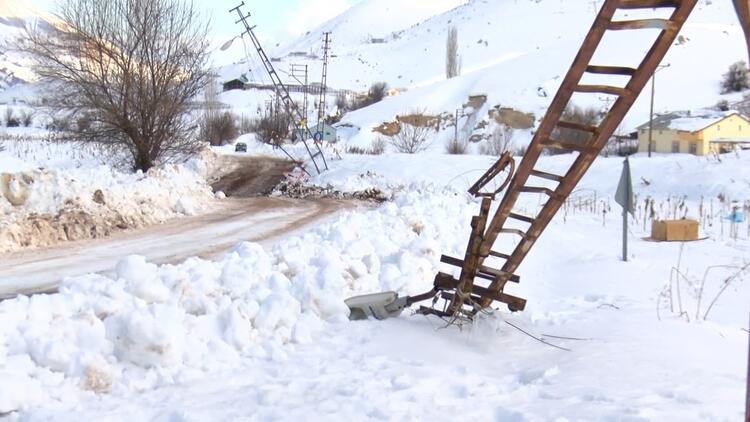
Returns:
<point x="153" y="326"/>
<point x="41" y="206"/>
<point x="262" y="324"/>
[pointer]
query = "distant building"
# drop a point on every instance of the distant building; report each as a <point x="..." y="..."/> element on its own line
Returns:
<point x="327" y="132"/>
<point x="681" y="132"/>
<point x="238" y="83"/>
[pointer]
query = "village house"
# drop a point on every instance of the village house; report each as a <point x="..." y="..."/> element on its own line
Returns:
<point x="323" y="132"/>
<point x="237" y="83"/>
<point x="700" y="134"/>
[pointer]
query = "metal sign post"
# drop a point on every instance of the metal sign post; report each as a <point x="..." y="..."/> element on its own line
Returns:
<point x="624" y="197"/>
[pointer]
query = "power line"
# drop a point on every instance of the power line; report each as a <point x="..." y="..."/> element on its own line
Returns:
<point x="282" y="92"/>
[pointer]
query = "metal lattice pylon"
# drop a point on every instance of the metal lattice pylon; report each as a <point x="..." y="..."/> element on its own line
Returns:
<point x="300" y="121"/>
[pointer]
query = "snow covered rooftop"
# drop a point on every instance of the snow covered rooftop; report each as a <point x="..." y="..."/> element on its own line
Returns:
<point x="687" y="121"/>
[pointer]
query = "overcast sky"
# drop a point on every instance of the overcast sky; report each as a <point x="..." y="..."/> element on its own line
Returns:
<point x="276" y="20"/>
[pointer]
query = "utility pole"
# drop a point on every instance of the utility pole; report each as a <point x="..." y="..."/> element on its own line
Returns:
<point x="283" y="95"/>
<point x="651" y="113"/>
<point x="324" y="79"/>
<point x="298" y="71"/>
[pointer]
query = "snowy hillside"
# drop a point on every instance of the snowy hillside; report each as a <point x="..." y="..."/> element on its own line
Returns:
<point x="513" y="51"/>
<point x="15" y="16"/>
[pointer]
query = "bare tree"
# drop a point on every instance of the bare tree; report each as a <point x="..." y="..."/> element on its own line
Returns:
<point x="210" y="120"/>
<point x="377" y="92"/>
<point x="737" y="78"/>
<point x="452" y="59"/>
<point x="411" y="139"/>
<point x="27" y="117"/>
<point x="132" y="67"/>
<point x="10" y="118"/>
<point x="274" y="129"/>
<point x="499" y="142"/>
<point x="219" y="128"/>
<point x="342" y="102"/>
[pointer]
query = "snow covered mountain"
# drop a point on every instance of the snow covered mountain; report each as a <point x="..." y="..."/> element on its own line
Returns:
<point x="514" y="52"/>
<point x="16" y="15"/>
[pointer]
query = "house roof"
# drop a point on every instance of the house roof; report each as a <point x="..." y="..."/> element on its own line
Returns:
<point x="688" y="122"/>
<point x="242" y="78"/>
<point x="314" y="126"/>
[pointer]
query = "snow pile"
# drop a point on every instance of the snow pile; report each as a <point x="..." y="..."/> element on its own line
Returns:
<point x="150" y="326"/>
<point x="262" y="322"/>
<point x="39" y="206"/>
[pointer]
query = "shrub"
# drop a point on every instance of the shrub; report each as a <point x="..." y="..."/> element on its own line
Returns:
<point x="342" y="102"/>
<point x="219" y="129"/>
<point x="736" y="79"/>
<point x="247" y="125"/>
<point x="274" y="129"/>
<point x="378" y="146"/>
<point x="456" y="147"/>
<point x="10" y="118"/>
<point x="27" y="118"/>
<point x="375" y="94"/>
<point x="499" y="142"/>
<point x="411" y="139"/>
<point x="353" y="149"/>
<point x="60" y="123"/>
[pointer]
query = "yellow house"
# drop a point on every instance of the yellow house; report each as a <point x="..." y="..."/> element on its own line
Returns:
<point x="699" y="135"/>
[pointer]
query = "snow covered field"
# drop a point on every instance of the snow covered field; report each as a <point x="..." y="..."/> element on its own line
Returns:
<point x="262" y="333"/>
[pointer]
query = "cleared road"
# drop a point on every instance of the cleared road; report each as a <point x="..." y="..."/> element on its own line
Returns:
<point x="260" y="220"/>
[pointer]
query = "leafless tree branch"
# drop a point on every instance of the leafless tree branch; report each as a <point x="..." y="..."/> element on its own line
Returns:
<point x="131" y="68"/>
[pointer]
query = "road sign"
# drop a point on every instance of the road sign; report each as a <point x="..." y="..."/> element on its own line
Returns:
<point x="624" y="197"/>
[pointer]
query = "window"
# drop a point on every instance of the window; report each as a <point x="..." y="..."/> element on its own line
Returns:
<point x="675" y="146"/>
<point x="718" y="128"/>
<point x="693" y="148"/>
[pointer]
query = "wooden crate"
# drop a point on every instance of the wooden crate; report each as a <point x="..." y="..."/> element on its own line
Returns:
<point x="674" y="230"/>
